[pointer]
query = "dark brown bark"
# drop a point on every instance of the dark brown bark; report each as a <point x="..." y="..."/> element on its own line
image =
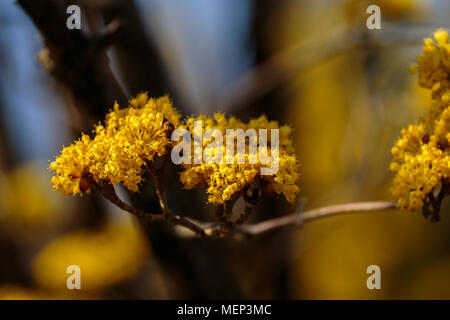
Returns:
<point x="75" y="59"/>
<point x="139" y="60"/>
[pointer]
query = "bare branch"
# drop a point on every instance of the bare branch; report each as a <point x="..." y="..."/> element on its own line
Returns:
<point x="210" y="229"/>
<point x="315" y="214"/>
<point x="107" y="191"/>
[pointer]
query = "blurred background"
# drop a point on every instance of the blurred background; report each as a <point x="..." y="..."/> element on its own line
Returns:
<point x="346" y="91"/>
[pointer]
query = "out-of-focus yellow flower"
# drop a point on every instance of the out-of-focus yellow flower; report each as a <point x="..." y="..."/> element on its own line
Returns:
<point x="421" y="158"/>
<point x="128" y="138"/>
<point x="397" y="8"/>
<point x="25" y="201"/>
<point x="431" y="280"/>
<point x="11" y="292"/>
<point x="390" y="9"/>
<point x="225" y="180"/>
<point x="105" y="258"/>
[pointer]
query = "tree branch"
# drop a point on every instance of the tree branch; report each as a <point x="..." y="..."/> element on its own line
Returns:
<point x="76" y="59"/>
<point x="211" y="229"/>
<point x="315" y="214"/>
<point x="107" y="191"/>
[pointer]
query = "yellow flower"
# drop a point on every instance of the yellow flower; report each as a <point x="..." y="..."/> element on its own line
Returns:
<point x="13" y="292"/>
<point x="105" y="258"/>
<point x="286" y="180"/>
<point x="421" y="160"/>
<point x="433" y="66"/>
<point x="131" y="137"/>
<point x="121" y="146"/>
<point x="69" y="167"/>
<point x="225" y="180"/>
<point x="27" y="207"/>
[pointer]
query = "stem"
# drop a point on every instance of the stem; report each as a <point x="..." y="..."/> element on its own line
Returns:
<point x="160" y="192"/>
<point x="206" y="229"/>
<point x="187" y="223"/>
<point x="251" y="196"/>
<point x="315" y="214"/>
<point x="167" y="213"/>
<point x="245" y="214"/>
<point x="107" y="190"/>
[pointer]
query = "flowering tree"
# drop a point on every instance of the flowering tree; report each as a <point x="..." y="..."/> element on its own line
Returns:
<point x="130" y="148"/>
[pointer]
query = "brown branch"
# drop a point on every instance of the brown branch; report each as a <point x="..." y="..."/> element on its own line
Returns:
<point x="138" y="57"/>
<point x="190" y="224"/>
<point x="244" y="215"/>
<point x="315" y="214"/>
<point x="157" y="179"/>
<point x="76" y="59"/>
<point x="107" y="191"/>
<point x="432" y="206"/>
<point x="209" y="229"/>
<point x="251" y="196"/>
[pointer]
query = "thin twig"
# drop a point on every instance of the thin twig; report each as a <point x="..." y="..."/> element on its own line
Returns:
<point x="157" y="174"/>
<point x="315" y="214"/>
<point x="251" y="196"/>
<point x="221" y="229"/>
<point x="157" y="179"/>
<point x="107" y="190"/>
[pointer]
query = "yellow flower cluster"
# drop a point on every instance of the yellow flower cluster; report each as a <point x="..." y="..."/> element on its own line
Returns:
<point x="434" y="66"/>
<point x="105" y="258"/>
<point x="421" y="157"/>
<point x="128" y="138"/>
<point x="224" y="180"/>
<point x="132" y="136"/>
